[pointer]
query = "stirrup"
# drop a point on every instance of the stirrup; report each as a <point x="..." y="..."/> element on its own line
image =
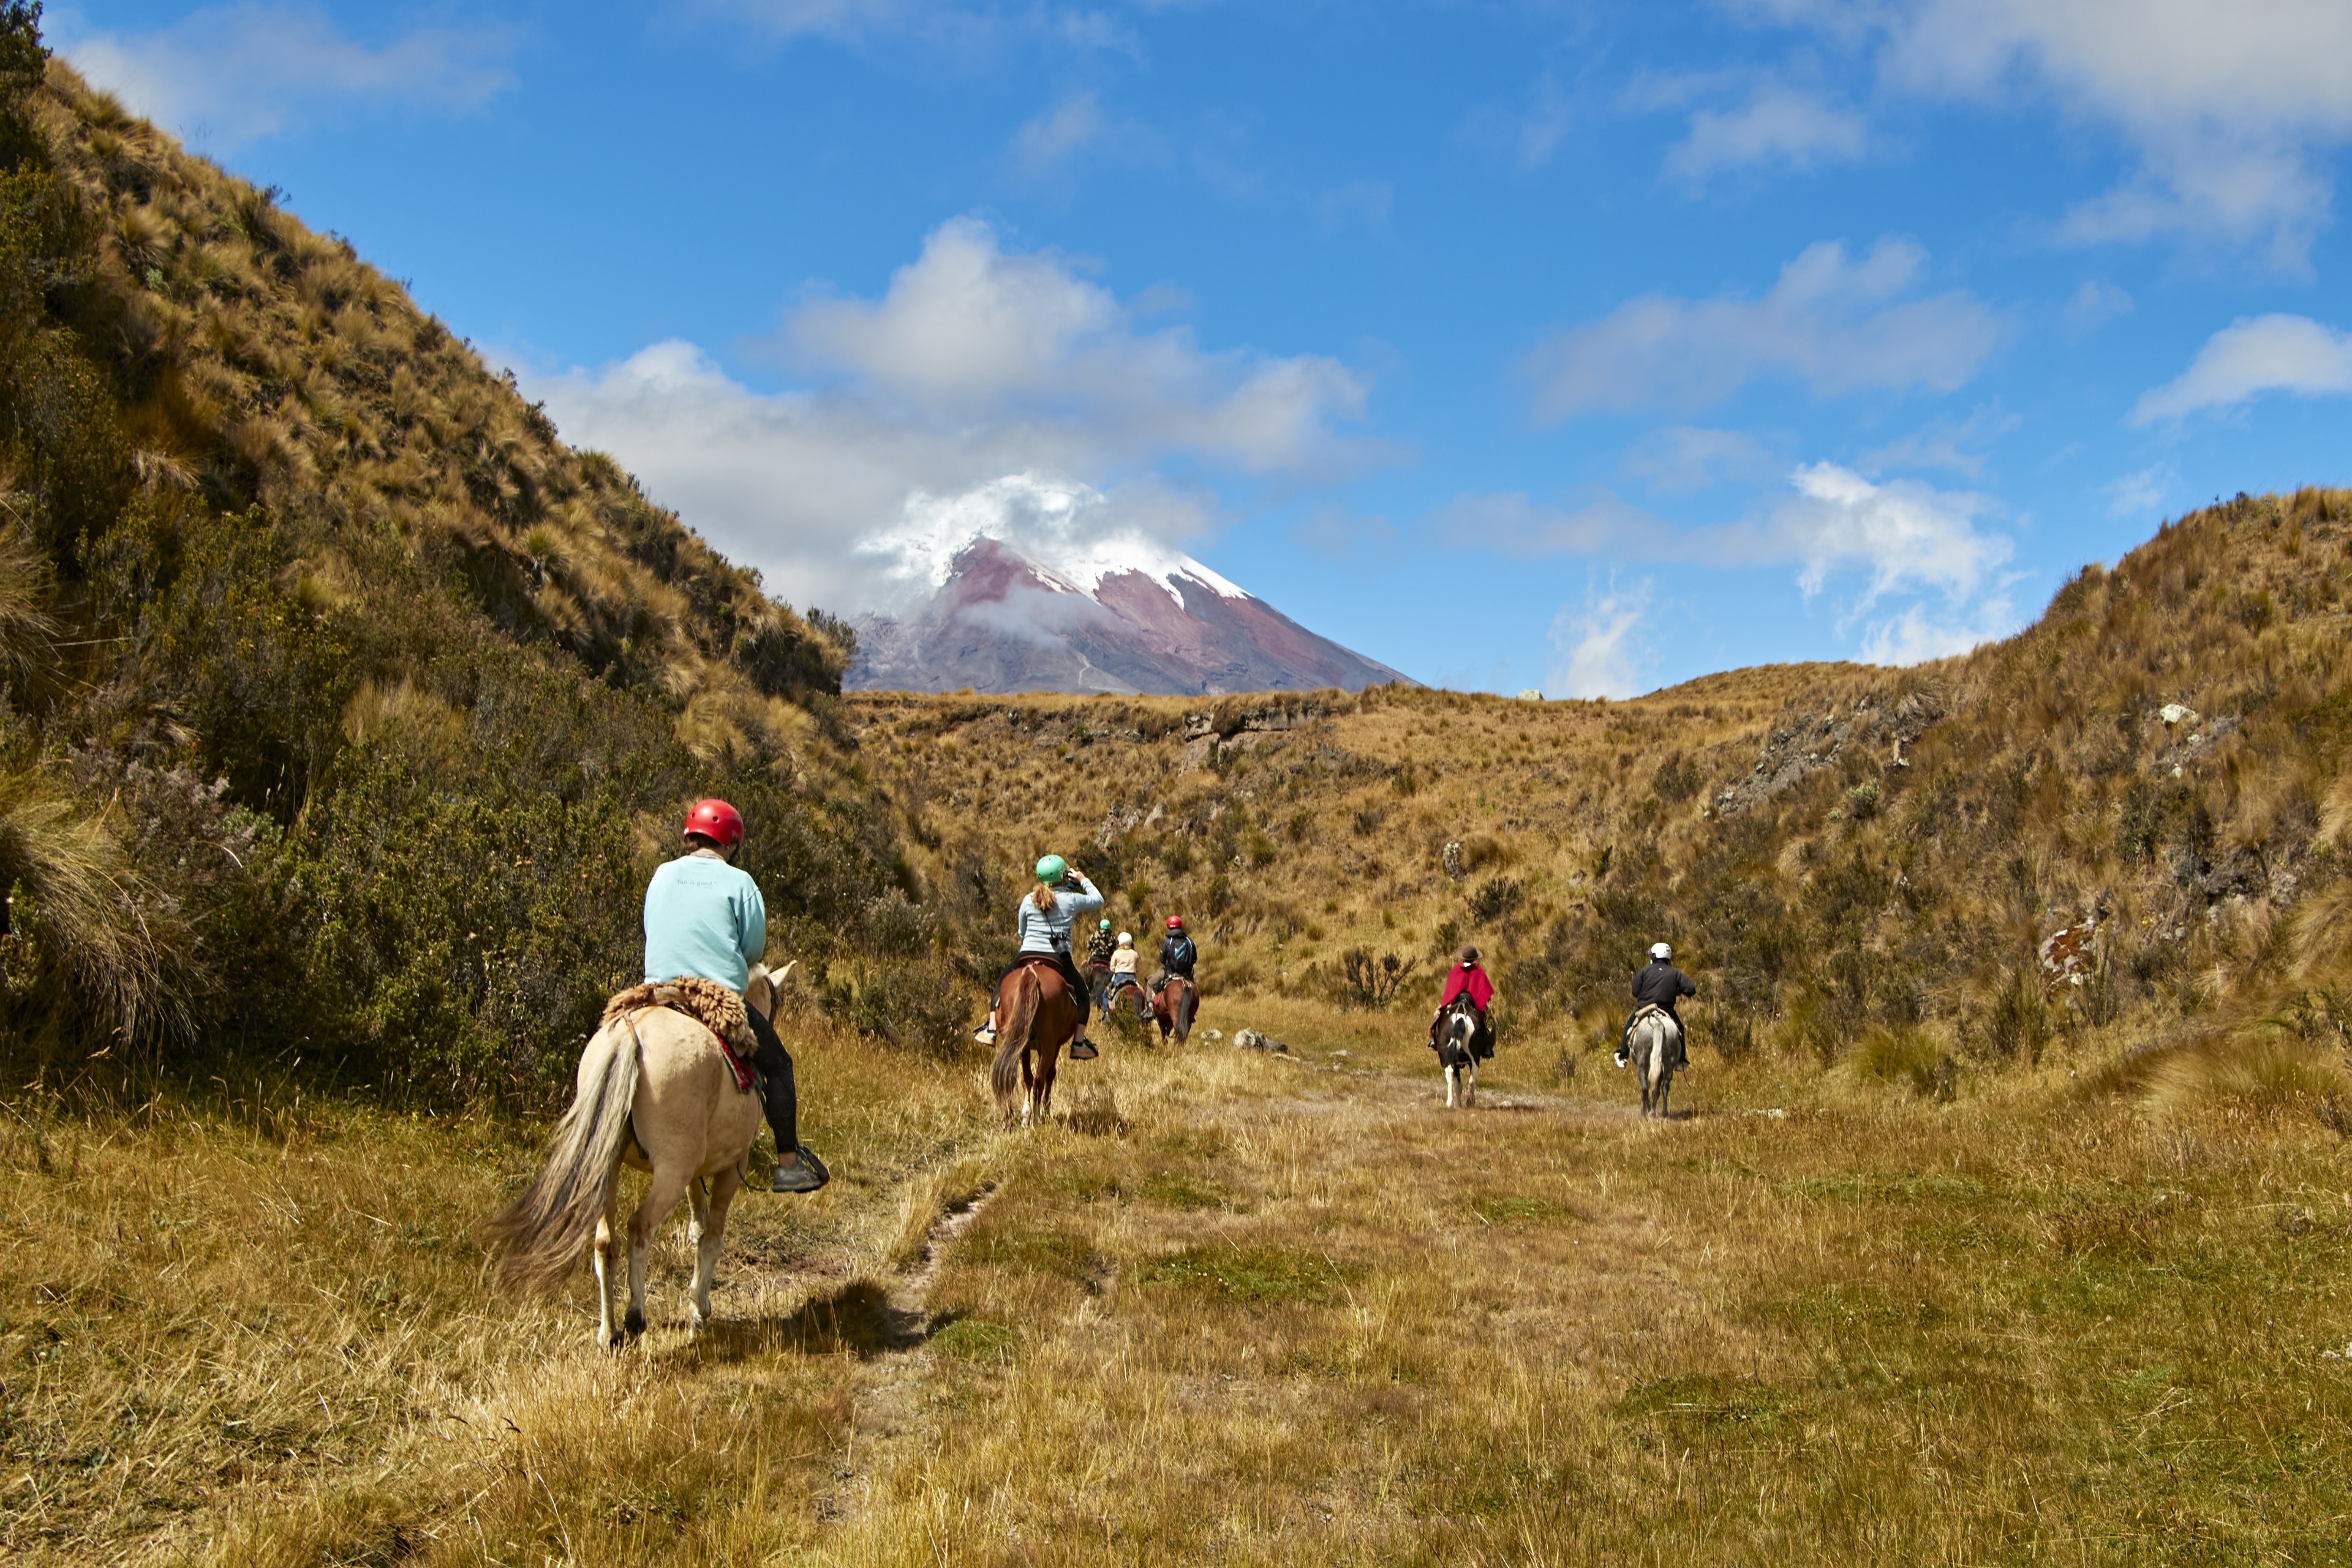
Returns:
<point x="805" y="1176"/>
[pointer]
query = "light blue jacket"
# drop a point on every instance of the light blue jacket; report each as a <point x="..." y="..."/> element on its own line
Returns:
<point x="1043" y="931"/>
<point x="704" y="917"/>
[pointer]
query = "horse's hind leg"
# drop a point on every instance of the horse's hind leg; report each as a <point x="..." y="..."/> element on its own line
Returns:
<point x="607" y="1234"/>
<point x="668" y="1186"/>
<point x="698" y="1227"/>
<point x="1452" y="1076"/>
<point x="1470" y="1083"/>
<point x="710" y="1231"/>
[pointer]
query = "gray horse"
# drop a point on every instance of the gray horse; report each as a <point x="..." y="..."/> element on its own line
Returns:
<point x="1655" y="1049"/>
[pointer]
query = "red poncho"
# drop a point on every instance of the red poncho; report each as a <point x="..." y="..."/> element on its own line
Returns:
<point x="1471" y="978"/>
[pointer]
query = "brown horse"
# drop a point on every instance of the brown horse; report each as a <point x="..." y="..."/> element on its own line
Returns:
<point x="656" y="1092"/>
<point x="1035" y="1018"/>
<point x="1173" y="1006"/>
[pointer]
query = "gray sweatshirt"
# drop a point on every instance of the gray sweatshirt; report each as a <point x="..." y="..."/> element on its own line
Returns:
<point x="1043" y="931"/>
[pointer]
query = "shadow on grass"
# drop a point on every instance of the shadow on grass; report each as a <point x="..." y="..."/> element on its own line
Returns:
<point x="859" y="1319"/>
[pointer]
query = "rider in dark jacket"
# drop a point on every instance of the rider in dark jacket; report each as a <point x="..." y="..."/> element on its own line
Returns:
<point x="1657" y="985"/>
<point x="1177" y="954"/>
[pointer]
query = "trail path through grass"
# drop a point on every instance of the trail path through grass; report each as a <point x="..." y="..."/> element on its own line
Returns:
<point x="1227" y="1308"/>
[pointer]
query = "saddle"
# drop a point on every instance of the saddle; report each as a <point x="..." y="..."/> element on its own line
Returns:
<point x="709" y="1003"/>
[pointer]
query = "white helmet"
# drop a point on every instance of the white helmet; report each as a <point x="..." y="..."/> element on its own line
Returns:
<point x="1124" y="940"/>
<point x="1660" y="950"/>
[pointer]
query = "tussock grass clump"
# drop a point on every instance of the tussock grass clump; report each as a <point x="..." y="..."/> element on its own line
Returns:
<point x="2254" y="1076"/>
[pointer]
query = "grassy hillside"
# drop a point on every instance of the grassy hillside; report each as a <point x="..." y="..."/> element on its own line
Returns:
<point x="346" y="706"/>
<point x="1863" y="867"/>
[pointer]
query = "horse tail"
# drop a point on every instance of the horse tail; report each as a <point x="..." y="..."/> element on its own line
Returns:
<point x="1023" y="996"/>
<point x="538" y="1239"/>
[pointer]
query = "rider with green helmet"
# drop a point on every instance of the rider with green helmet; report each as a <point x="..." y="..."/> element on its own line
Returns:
<point x="1048" y="913"/>
<point x="1101" y="946"/>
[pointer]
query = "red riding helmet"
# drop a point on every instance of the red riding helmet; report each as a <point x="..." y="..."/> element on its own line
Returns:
<point x="715" y="820"/>
<point x="1175" y="923"/>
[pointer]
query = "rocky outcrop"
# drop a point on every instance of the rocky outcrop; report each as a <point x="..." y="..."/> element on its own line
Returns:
<point x="1804" y="743"/>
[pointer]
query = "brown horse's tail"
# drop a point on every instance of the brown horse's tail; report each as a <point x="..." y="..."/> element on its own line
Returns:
<point x="539" y="1240"/>
<point x="1017" y="1016"/>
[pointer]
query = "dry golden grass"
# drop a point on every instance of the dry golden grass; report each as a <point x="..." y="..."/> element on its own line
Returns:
<point x="1260" y="1311"/>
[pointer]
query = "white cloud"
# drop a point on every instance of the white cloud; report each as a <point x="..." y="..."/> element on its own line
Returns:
<point x="1596" y="645"/>
<point x="1529" y="136"/>
<point x="2232" y="105"/>
<point x="950" y="26"/>
<point x="228" y="74"/>
<point x="1004" y="384"/>
<point x="1909" y="537"/>
<point x="1045" y="143"/>
<point x="2137" y="495"/>
<point x="1953" y="444"/>
<point x="1909" y="540"/>
<point x="967" y="328"/>
<point x="2252" y="356"/>
<point x="1511" y="524"/>
<point x="1915" y="636"/>
<point x="2093" y="305"/>
<point x="1776" y="125"/>
<point x="1683" y="458"/>
<point x="1839" y="325"/>
<point x="1337" y="534"/>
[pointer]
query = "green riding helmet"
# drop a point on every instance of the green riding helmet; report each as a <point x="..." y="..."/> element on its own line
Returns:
<point x="1102" y="925"/>
<point x="1051" y="868"/>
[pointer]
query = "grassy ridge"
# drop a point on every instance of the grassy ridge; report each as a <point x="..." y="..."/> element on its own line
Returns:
<point x="346" y="706"/>
<point x="1863" y="867"/>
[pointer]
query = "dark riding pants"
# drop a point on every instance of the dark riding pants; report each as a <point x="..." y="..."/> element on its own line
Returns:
<point x="774" y="1065"/>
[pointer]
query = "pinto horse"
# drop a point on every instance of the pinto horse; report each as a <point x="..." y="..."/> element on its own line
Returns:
<point x="1035" y="1018"/>
<point x="1457" y="1038"/>
<point x="1173" y="1006"/>
<point x="656" y="1091"/>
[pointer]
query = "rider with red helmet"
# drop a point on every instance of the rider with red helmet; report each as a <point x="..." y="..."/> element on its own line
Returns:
<point x="703" y="916"/>
<point x="1177" y="954"/>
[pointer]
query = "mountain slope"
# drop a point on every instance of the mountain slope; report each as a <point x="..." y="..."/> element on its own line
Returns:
<point x="347" y="706"/>
<point x="2125" y="825"/>
<point x="1127" y="620"/>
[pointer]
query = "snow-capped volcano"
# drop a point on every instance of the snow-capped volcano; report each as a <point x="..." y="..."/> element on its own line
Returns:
<point x="1062" y="612"/>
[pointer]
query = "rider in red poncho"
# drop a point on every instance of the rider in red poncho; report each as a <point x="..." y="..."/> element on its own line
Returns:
<point x="1468" y="979"/>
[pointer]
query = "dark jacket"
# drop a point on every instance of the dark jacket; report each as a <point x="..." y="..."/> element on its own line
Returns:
<point x="1661" y="984"/>
<point x="1100" y="950"/>
<point x="1177" y="954"/>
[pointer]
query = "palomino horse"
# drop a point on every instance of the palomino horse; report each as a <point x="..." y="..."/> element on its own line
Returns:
<point x="1035" y="1018"/>
<point x="1458" y="1031"/>
<point x="1173" y="1006"/>
<point x="655" y="1093"/>
<point x="1655" y="1044"/>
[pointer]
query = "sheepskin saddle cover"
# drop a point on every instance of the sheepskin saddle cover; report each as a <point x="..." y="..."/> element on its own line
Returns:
<point x="707" y="1003"/>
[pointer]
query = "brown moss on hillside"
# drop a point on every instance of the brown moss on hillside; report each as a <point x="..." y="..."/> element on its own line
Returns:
<point x="268" y="363"/>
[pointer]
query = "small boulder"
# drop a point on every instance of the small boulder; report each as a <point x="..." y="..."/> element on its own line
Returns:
<point x="2175" y="713"/>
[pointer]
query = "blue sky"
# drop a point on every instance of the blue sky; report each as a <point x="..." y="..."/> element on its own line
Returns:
<point x="1582" y="346"/>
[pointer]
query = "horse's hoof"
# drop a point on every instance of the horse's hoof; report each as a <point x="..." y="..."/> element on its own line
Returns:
<point x="632" y="1325"/>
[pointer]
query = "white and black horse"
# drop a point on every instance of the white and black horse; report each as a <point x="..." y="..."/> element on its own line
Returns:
<point x="1457" y="1038"/>
<point x="1654" y="1045"/>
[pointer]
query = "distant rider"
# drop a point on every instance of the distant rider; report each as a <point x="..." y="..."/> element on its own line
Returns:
<point x="1100" y="947"/>
<point x="1123" y="977"/>
<point x="1467" y="978"/>
<point x="704" y="917"/>
<point x="1177" y="954"/>
<point x="1658" y="985"/>
<point x="1048" y="913"/>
